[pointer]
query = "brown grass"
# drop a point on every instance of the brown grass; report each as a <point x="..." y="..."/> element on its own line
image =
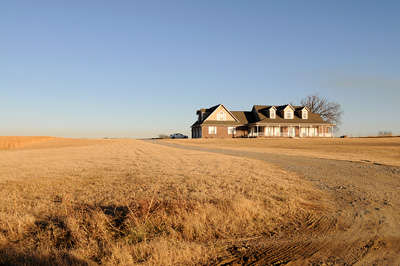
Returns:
<point x="371" y="150"/>
<point x="7" y="142"/>
<point x="125" y="202"/>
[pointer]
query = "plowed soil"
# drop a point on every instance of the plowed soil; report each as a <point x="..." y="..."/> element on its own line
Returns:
<point x="364" y="228"/>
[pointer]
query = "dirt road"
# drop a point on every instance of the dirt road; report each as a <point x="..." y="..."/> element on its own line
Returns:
<point x="363" y="228"/>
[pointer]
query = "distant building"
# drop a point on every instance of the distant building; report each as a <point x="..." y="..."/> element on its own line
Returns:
<point x="261" y="121"/>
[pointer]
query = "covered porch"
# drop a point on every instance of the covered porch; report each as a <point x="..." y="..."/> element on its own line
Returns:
<point x="290" y="131"/>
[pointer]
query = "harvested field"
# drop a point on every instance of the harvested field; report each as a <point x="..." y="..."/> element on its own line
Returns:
<point x="12" y="142"/>
<point x="126" y="202"/>
<point x="371" y="150"/>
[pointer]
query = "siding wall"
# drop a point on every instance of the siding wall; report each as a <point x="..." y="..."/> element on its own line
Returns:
<point x="214" y="116"/>
<point x="222" y="132"/>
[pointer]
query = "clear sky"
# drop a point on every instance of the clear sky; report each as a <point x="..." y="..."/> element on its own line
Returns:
<point x="142" y="68"/>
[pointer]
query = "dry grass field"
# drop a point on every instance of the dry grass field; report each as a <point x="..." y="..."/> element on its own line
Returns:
<point x="127" y="202"/>
<point x="373" y="150"/>
<point x="11" y="142"/>
<point x="361" y="175"/>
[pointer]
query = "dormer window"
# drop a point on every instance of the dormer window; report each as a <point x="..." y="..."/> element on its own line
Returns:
<point x="272" y="114"/>
<point x="304" y="114"/>
<point x="288" y="114"/>
<point x="221" y="116"/>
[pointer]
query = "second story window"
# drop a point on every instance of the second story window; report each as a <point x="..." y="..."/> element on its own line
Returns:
<point x="221" y="116"/>
<point x="288" y="114"/>
<point x="305" y="114"/>
<point x="272" y="114"/>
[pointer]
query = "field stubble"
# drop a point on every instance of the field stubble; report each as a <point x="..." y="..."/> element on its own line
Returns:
<point x="82" y="202"/>
<point x="362" y="175"/>
<point x="367" y="150"/>
<point x="12" y="142"/>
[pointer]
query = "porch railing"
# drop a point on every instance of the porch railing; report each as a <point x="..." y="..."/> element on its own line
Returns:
<point x="289" y="134"/>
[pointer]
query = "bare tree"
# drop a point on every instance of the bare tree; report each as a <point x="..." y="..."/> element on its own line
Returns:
<point x="385" y="133"/>
<point x="330" y="111"/>
<point x="163" y="136"/>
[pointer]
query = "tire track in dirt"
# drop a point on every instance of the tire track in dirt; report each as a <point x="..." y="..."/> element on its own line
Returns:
<point x="290" y="248"/>
<point x="363" y="230"/>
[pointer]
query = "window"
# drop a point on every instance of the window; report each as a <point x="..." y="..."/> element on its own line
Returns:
<point x="231" y="130"/>
<point x="288" y="114"/>
<point x="272" y="114"/>
<point x="221" y="116"/>
<point x="212" y="130"/>
<point x="305" y="114"/>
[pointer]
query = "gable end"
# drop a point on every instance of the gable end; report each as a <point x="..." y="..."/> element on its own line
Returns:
<point x="221" y="113"/>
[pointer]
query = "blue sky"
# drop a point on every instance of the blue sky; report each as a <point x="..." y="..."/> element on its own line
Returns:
<point x="142" y="68"/>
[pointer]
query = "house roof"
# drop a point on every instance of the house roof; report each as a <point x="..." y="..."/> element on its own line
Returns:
<point x="300" y="108"/>
<point x="211" y="110"/>
<point x="244" y="117"/>
<point x="222" y="123"/>
<point x="263" y="113"/>
<point x="283" y="107"/>
<point x="208" y="111"/>
<point x="261" y="116"/>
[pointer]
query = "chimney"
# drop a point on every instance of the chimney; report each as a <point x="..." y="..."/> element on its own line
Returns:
<point x="201" y="114"/>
